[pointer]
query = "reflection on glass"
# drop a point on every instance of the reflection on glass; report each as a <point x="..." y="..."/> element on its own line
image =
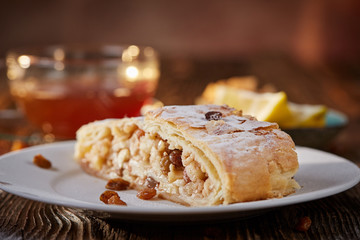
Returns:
<point x="61" y="88"/>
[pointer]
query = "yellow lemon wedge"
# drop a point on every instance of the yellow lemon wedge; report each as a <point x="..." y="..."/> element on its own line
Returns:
<point x="305" y="115"/>
<point x="271" y="107"/>
<point x="240" y="93"/>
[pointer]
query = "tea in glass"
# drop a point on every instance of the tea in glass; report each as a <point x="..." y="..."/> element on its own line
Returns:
<point x="59" y="88"/>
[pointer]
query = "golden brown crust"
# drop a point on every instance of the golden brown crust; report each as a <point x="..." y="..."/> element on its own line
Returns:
<point x="236" y="158"/>
<point x="241" y="148"/>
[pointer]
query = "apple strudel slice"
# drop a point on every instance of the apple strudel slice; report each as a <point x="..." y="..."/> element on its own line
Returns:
<point x="197" y="155"/>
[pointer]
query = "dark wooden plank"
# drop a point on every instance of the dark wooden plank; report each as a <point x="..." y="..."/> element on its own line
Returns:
<point x="335" y="217"/>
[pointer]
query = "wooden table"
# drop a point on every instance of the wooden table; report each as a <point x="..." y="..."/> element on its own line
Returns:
<point x="334" y="217"/>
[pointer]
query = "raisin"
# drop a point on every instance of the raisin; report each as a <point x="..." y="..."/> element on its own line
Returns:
<point x="115" y="199"/>
<point x="213" y="115"/>
<point x="175" y="158"/>
<point x="165" y="164"/>
<point x="151" y="183"/>
<point x="117" y="184"/>
<point x="105" y="196"/>
<point x="111" y="197"/>
<point x="303" y="225"/>
<point x="147" y="193"/>
<point x="40" y="161"/>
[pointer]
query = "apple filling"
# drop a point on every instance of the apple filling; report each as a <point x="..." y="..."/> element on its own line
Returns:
<point x="146" y="159"/>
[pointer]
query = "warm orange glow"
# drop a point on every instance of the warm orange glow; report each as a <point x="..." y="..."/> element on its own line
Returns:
<point x="133" y="51"/>
<point x="122" y="92"/>
<point x="24" y="61"/>
<point x="150" y="73"/>
<point x="149" y="52"/>
<point x="59" y="54"/>
<point x="59" y="66"/>
<point x="126" y="57"/>
<point x="132" y="72"/>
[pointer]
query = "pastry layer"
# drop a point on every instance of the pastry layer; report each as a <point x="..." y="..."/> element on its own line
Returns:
<point x="192" y="160"/>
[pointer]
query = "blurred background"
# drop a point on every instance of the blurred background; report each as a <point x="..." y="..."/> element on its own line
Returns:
<point x="310" y="44"/>
<point x="311" y="33"/>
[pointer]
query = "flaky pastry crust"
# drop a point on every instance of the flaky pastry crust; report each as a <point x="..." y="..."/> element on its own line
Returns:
<point x="230" y="159"/>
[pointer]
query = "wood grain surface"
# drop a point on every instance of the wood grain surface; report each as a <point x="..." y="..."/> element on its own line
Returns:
<point x="334" y="217"/>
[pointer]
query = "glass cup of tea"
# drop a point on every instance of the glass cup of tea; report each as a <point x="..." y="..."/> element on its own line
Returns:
<point x="61" y="88"/>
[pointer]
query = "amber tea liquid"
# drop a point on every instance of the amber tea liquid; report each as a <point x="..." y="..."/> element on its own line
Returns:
<point x="63" y="114"/>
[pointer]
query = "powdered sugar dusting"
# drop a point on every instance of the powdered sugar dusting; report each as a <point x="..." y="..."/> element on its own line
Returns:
<point x="233" y="137"/>
<point x="194" y="116"/>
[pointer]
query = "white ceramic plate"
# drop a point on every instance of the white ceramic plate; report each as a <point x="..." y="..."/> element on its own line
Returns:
<point x="320" y="174"/>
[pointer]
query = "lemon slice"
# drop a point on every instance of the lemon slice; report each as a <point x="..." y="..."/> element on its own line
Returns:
<point x="304" y="115"/>
<point x="271" y="107"/>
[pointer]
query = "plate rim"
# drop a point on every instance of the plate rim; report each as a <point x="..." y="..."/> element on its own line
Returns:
<point x="181" y="210"/>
